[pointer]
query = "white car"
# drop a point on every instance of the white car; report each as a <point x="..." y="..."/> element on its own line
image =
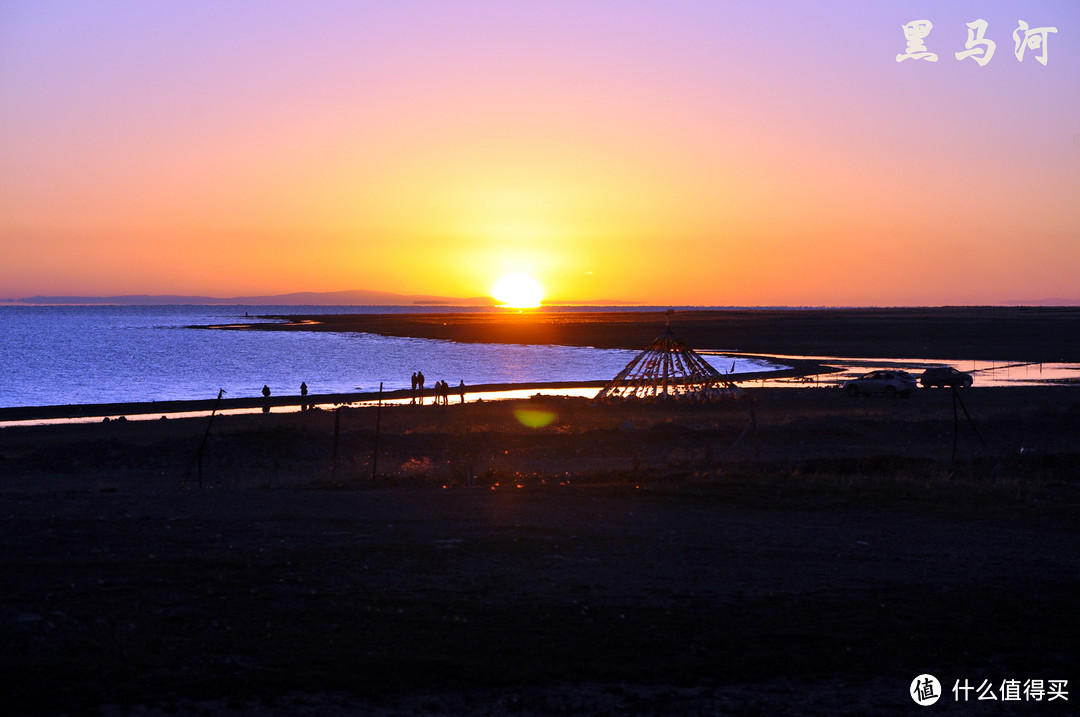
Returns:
<point x="890" y="383"/>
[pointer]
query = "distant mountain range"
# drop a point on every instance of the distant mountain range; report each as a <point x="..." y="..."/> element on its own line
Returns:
<point x="361" y="297"/>
<point x="357" y="297"/>
<point x="1054" y="301"/>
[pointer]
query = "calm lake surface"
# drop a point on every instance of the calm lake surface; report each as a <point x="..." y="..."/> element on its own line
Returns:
<point x="55" y="355"/>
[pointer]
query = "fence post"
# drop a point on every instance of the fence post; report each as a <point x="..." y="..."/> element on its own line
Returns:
<point x="207" y="434"/>
<point x="375" y="449"/>
<point x="337" y="431"/>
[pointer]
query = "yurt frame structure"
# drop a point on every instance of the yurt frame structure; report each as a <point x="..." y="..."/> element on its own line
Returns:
<point x="668" y="369"/>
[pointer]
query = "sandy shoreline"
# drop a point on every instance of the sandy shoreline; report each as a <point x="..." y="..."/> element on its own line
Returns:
<point x="329" y="400"/>
<point x="1043" y="334"/>
<point x="1021" y="334"/>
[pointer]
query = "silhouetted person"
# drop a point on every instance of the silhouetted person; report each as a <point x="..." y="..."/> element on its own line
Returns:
<point x="413" y="388"/>
<point x="266" y="394"/>
<point x="303" y="392"/>
<point x="461" y="390"/>
<point x="420" y="386"/>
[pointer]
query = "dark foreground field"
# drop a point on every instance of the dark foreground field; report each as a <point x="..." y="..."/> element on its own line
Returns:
<point x="809" y="556"/>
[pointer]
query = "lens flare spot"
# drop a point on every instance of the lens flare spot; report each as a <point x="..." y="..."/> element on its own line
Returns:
<point x="534" y="417"/>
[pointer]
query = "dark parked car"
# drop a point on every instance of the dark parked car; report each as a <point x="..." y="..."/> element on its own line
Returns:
<point x="890" y="383"/>
<point x="945" y="376"/>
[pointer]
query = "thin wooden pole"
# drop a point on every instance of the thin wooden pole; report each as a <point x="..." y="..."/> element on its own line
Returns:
<point x="753" y="422"/>
<point x="375" y="448"/>
<point x="337" y="432"/>
<point x="467" y="446"/>
<point x="967" y="415"/>
<point x="206" y="435"/>
<point x="955" y="426"/>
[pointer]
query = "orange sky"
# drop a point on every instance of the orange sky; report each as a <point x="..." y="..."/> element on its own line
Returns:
<point x="702" y="153"/>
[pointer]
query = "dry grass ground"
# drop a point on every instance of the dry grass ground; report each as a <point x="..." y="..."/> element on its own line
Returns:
<point x="811" y="556"/>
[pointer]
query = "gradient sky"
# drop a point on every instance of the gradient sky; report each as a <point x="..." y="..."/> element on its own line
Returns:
<point x="711" y="153"/>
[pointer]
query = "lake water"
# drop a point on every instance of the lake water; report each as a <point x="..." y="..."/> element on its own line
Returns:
<point x="55" y="355"/>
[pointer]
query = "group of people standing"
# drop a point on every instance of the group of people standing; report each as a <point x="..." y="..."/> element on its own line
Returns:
<point x="442" y="390"/>
<point x="304" y="405"/>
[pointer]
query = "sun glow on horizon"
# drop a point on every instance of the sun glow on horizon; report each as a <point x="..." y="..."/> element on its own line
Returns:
<point x="517" y="291"/>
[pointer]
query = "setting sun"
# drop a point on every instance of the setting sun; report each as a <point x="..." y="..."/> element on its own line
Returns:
<point x="517" y="291"/>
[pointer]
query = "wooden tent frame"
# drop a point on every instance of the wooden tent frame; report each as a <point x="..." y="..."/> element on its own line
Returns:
<point x="668" y="369"/>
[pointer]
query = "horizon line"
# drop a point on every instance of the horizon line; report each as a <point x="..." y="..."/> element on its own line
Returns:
<point x="377" y="298"/>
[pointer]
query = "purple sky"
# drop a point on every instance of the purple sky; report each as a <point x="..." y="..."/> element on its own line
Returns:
<point x="690" y="153"/>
